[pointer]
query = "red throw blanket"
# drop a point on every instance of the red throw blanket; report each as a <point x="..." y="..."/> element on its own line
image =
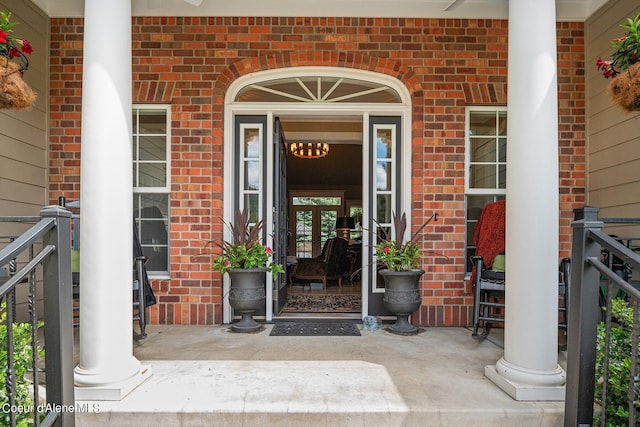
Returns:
<point x="489" y="236"/>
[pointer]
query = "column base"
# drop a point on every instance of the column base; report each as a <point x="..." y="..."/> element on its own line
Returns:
<point x="523" y="391"/>
<point x="116" y="391"/>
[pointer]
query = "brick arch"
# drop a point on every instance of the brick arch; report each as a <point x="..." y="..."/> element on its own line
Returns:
<point x="328" y="59"/>
<point x="484" y="93"/>
<point x="153" y="91"/>
<point x="349" y="60"/>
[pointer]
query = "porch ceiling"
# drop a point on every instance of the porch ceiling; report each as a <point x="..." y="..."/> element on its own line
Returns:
<point x="567" y="10"/>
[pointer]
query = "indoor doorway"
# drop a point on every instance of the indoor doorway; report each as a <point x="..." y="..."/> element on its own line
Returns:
<point x="321" y="185"/>
<point x="313" y="220"/>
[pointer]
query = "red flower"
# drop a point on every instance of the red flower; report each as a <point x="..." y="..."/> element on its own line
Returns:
<point x="605" y="67"/>
<point x="3" y="36"/>
<point x="268" y="250"/>
<point x="13" y="52"/>
<point x="602" y="64"/>
<point x="386" y="249"/>
<point x="227" y="262"/>
<point x="27" y="47"/>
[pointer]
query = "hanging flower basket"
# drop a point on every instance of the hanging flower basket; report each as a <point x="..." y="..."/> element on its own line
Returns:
<point x="624" y="89"/>
<point x="624" y="67"/>
<point x="14" y="92"/>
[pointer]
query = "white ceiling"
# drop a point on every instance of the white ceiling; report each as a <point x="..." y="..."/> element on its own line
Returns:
<point x="567" y="10"/>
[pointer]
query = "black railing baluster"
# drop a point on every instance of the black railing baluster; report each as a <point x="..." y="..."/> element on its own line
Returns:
<point x="33" y="319"/>
<point x="10" y="380"/>
<point x="13" y="268"/>
<point x="607" y="346"/>
<point x="633" y="369"/>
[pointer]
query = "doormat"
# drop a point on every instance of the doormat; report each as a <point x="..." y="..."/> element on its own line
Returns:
<point x="323" y="303"/>
<point x="318" y="329"/>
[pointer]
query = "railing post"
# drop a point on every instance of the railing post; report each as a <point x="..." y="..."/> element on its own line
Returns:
<point x="58" y="326"/>
<point x="583" y="321"/>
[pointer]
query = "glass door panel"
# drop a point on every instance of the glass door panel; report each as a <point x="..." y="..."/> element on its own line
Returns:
<point x="251" y="152"/>
<point x="327" y="225"/>
<point x="303" y="233"/>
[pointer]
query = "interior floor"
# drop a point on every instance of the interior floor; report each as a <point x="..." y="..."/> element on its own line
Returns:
<point x="309" y="299"/>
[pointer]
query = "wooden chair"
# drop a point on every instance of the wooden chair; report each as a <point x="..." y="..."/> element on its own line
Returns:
<point x="331" y="264"/>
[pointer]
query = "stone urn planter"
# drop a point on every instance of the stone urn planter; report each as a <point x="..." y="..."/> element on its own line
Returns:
<point x="402" y="297"/>
<point x="247" y="296"/>
<point x="247" y="262"/>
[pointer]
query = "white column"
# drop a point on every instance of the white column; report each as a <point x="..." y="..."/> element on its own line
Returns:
<point x="529" y="369"/>
<point x="107" y="369"/>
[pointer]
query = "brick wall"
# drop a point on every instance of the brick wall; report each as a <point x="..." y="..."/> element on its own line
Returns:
<point x="190" y="62"/>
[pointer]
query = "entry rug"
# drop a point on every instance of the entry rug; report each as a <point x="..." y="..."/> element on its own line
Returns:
<point x="323" y="303"/>
<point x="318" y="329"/>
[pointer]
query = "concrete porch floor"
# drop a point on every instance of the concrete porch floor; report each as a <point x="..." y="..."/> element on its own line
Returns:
<point x="209" y="376"/>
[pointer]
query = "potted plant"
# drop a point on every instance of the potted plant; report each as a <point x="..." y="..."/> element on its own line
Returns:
<point x="624" y="67"/>
<point x="14" y="92"/>
<point x="401" y="272"/>
<point x="246" y="261"/>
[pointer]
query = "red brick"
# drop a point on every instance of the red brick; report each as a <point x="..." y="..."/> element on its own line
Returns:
<point x="173" y="65"/>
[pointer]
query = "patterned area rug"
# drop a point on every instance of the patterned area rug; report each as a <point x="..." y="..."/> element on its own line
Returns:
<point x="323" y="303"/>
<point x="308" y="329"/>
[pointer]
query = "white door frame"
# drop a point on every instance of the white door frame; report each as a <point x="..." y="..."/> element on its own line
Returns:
<point x="271" y="110"/>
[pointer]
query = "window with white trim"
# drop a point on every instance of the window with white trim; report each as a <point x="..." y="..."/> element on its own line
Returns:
<point x="486" y="165"/>
<point x="151" y="183"/>
<point x="251" y="179"/>
<point x="385" y="160"/>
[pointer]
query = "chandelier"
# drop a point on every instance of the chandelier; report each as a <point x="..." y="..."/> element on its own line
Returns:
<point x="309" y="150"/>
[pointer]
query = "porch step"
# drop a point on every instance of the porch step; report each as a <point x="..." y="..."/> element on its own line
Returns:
<point x="379" y="379"/>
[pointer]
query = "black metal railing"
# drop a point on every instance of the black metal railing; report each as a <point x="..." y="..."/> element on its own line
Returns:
<point x="588" y="274"/>
<point x="47" y="245"/>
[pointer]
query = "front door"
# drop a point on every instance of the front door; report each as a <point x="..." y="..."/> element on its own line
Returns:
<point x="280" y="215"/>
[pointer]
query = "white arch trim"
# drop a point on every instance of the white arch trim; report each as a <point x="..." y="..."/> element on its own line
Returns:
<point x="317" y="71"/>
